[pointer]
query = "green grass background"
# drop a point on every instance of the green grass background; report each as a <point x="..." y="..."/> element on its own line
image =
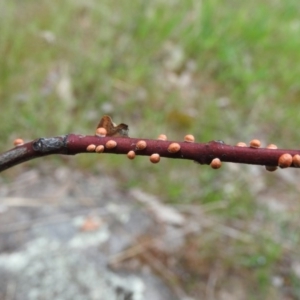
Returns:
<point x="226" y="70"/>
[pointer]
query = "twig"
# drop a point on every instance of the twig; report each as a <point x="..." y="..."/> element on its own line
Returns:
<point x="203" y="153"/>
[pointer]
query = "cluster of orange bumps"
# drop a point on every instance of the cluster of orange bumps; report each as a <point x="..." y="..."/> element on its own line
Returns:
<point x="284" y="161"/>
<point x="140" y="145"/>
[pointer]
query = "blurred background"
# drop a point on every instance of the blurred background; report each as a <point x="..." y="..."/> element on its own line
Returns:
<point x="218" y="70"/>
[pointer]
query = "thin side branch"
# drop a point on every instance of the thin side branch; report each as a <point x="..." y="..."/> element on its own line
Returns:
<point x="202" y="153"/>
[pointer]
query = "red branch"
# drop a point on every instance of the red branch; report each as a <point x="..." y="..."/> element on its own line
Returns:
<point x="203" y="153"/>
